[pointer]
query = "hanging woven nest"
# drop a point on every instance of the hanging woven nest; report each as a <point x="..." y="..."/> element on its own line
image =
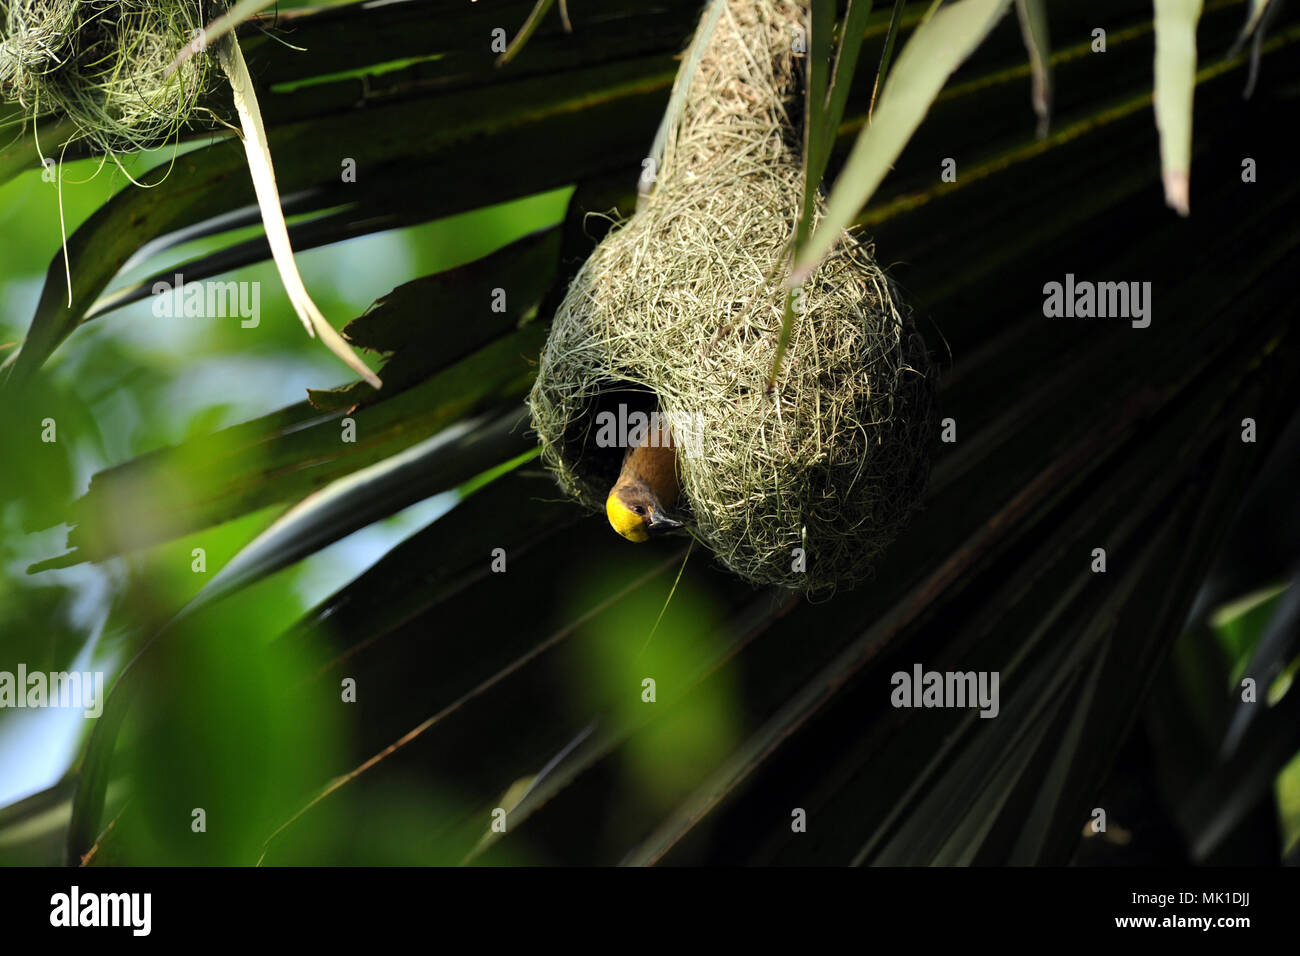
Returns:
<point x="802" y="485"/>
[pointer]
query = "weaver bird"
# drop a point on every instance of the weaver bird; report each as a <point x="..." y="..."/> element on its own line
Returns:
<point x="646" y="488"/>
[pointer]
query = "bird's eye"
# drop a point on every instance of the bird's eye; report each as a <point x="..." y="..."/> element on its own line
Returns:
<point x="639" y="509"/>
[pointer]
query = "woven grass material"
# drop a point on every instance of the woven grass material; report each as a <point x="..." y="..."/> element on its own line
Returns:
<point x="685" y="301"/>
<point x="102" y="64"/>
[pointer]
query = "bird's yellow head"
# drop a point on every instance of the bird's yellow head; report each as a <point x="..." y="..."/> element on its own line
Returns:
<point x="625" y="519"/>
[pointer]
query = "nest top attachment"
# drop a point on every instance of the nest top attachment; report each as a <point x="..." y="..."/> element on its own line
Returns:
<point x="103" y="65"/>
<point x="802" y="486"/>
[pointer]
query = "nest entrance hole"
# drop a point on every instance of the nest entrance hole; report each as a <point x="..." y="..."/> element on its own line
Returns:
<point x="617" y="401"/>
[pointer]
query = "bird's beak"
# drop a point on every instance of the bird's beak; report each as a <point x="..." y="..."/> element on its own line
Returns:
<point x="660" y="523"/>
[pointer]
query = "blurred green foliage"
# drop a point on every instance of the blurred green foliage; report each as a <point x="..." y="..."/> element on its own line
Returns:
<point x="129" y="383"/>
<point x="1239" y="627"/>
<point x="641" y="654"/>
